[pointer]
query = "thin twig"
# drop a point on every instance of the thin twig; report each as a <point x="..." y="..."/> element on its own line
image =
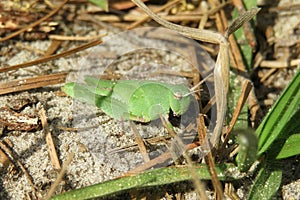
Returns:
<point x="279" y="63"/>
<point x="214" y="177"/>
<point x="140" y="142"/>
<point x="75" y="38"/>
<point x="60" y="176"/>
<point x="51" y="147"/>
<point x="204" y="9"/>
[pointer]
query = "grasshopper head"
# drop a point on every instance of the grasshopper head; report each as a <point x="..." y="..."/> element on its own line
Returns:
<point x="179" y="102"/>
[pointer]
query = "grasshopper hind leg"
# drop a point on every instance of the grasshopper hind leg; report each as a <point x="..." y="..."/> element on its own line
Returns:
<point x="175" y="120"/>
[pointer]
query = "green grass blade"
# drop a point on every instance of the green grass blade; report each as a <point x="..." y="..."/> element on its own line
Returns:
<point x="246" y="49"/>
<point x="275" y="122"/>
<point x="288" y="144"/>
<point x="290" y="147"/>
<point x="266" y="183"/>
<point x="156" y="177"/>
<point x="101" y="3"/>
<point x="236" y="85"/>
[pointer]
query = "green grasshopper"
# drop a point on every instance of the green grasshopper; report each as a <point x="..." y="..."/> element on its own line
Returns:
<point x="137" y="100"/>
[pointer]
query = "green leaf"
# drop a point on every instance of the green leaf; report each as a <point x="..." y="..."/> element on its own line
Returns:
<point x="274" y="124"/>
<point x="290" y="147"/>
<point x="286" y="144"/>
<point x="266" y="183"/>
<point x="151" y="178"/>
<point x="101" y="3"/>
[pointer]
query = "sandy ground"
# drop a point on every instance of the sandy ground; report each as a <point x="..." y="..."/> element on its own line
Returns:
<point x="99" y="138"/>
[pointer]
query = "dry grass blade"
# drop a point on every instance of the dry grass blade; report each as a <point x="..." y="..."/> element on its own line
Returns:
<point x="279" y="63"/>
<point x="75" y="38"/>
<point x="160" y="159"/>
<point x="131" y="17"/>
<point x="136" y="23"/>
<point x="247" y="86"/>
<point x="140" y="142"/>
<point x="4" y="160"/>
<point x="31" y="83"/>
<point x="237" y="61"/>
<point x="201" y="128"/>
<point x="204" y="9"/>
<point x="214" y="177"/>
<point x="209" y="159"/>
<point x="55" y="44"/>
<point x="51" y="147"/>
<point x="14" y="156"/>
<point x="242" y="19"/>
<point x="52" y="57"/>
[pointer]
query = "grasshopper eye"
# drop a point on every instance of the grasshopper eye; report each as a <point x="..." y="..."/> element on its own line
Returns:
<point x="177" y="95"/>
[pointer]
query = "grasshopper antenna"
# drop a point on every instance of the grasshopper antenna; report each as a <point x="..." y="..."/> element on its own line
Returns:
<point x="194" y="88"/>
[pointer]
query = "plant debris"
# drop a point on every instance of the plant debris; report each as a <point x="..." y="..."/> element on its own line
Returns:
<point x="18" y="121"/>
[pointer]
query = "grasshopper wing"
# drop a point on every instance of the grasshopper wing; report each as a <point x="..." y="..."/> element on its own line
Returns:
<point x="113" y="107"/>
<point x="98" y="86"/>
<point x="80" y="92"/>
